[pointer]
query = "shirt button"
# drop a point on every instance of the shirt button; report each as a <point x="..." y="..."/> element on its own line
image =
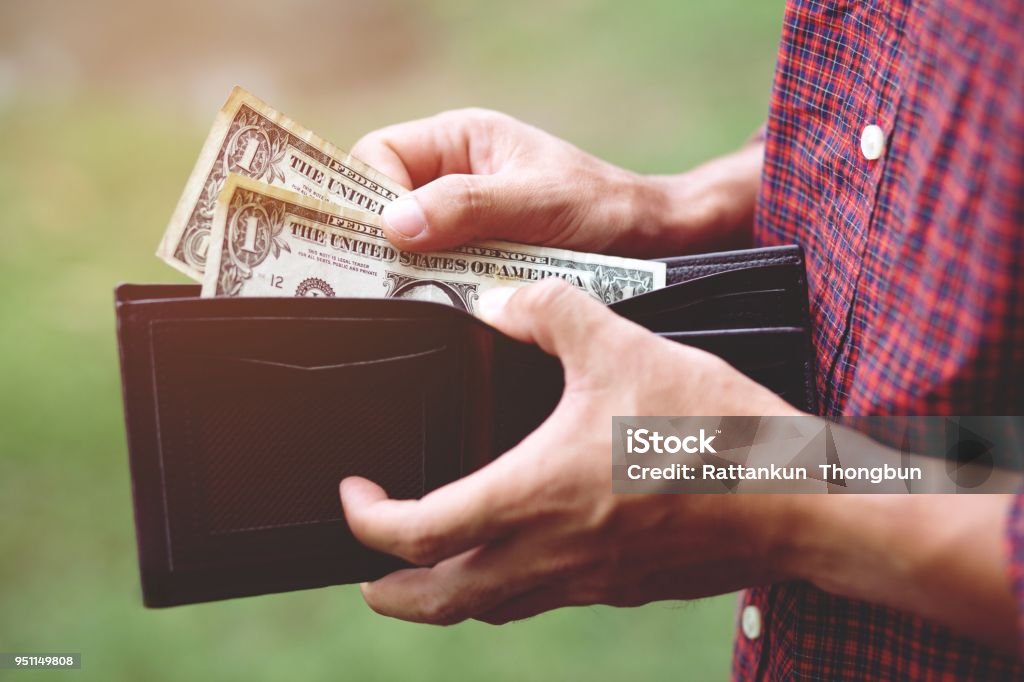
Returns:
<point x="750" y="621"/>
<point x="872" y="142"/>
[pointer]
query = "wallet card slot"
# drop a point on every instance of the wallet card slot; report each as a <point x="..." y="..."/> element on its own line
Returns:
<point x="726" y="297"/>
<point x="258" y="435"/>
<point x="303" y="342"/>
<point x="768" y="296"/>
<point x="774" y="357"/>
<point x="741" y="308"/>
<point x="527" y="387"/>
<point x="339" y="365"/>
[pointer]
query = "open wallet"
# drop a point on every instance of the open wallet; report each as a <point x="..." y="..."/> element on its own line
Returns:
<point x="244" y="414"/>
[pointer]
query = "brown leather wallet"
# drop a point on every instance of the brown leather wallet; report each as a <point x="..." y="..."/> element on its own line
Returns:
<point x="243" y="414"/>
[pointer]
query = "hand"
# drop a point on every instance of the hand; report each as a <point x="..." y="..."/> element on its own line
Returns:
<point x="539" y="527"/>
<point x="483" y="175"/>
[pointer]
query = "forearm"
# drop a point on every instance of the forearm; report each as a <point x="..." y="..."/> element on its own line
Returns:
<point x="708" y="208"/>
<point x="937" y="556"/>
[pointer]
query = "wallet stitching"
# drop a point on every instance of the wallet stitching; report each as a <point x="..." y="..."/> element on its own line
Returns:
<point x="268" y="526"/>
<point x="305" y="318"/>
<point x="756" y="262"/>
<point x="189" y="445"/>
<point x="732" y="260"/>
<point x="355" y="363"/>
<point x="790" y="253"/>
<point x="739" y="331"/>
<point x="194" y="488"/>
<point x="423" y="439"/>
<point x="160" y="445"/>
<point x="810" y="385"/>
<point x="761" y="262"/>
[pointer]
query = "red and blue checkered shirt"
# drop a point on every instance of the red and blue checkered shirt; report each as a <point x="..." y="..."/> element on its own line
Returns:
<point x="916" y="270"/>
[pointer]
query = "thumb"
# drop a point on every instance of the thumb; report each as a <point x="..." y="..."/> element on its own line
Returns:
<point x="561" y="320"/>
<point x="453" y="210"/>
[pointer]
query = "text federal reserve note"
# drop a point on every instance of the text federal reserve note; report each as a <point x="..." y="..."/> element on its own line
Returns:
<point x="267" y="241"/>
<point x="250" y="138"/>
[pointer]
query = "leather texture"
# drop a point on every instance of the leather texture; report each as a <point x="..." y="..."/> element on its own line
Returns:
<point x="243" y="414"/>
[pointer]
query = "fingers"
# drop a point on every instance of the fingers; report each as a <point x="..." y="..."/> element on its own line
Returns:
<point x="457" y="163"/>
<point x="380" y="155"/>
<point x="412" y="153"/>
<point x="460" y="208"/>
<point x="417" y="152"/>
<point x="468" y="512"/>
<point x="431" y="154"/>
<point x="563" y="321"/>
<point x="531" y="603"/>
<point x="462" y="587"/>
<point x="453" y="210"/>
<point x="422" y="531"/>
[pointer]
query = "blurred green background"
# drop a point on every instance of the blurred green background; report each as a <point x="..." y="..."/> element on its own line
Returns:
<point x="104" y="105"/>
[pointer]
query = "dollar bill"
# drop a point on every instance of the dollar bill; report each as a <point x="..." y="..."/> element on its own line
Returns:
<point x="268" y="241"/>
<point x="250" y="138"/>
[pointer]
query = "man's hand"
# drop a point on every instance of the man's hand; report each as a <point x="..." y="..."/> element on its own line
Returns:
<point x="479" y="174"/>
<point x="539" y="527"/>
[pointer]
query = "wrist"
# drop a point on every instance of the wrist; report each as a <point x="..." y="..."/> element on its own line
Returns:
<point x="857" y="545"/>
<point x="764" y="533"/>
<point x="784" y="525"/>
<point x="710" y="207"/>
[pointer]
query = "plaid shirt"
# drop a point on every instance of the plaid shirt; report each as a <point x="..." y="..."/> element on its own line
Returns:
<point x="916" y="272"/>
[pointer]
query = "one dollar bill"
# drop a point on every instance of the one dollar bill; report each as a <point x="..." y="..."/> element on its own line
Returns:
<point x="250" y="138"/>
<point x="268" y="241"/>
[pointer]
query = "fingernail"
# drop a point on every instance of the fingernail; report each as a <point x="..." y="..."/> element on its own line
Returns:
<point x="492" y="301"/>
<point x="405" y="217"/>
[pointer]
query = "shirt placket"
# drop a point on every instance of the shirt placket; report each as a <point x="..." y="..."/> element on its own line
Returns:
<point x="869" y="143"/>
<point x="752" y="621"/>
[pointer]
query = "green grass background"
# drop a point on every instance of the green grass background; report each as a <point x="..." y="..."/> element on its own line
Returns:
<point x="88" y="178"/>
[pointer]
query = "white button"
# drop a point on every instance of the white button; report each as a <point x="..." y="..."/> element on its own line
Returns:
<point x="872" y="142"/>
<point x="750" y="621"/>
